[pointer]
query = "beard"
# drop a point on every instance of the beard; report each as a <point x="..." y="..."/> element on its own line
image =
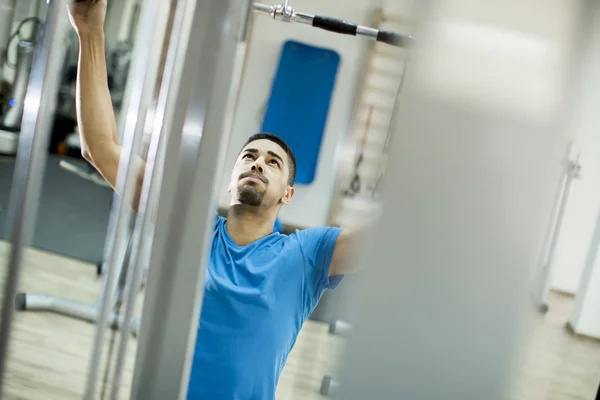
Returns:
<point x="250" y="196"/>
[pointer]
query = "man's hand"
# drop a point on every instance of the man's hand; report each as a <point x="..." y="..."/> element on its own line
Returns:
<point x="87" y="16"/>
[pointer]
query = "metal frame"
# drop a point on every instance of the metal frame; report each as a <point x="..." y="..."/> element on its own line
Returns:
<point x="121" y="247"/>
<point x="140" y="88"/>
<point x="146" y="58"/>
<point x="36" y="125"/>
<point x="185" y="211"/>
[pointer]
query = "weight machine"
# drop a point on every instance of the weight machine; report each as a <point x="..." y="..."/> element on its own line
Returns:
<point x="58" y="305"/>
<point x="24" y="37"/>
<point x="90" y="312"/>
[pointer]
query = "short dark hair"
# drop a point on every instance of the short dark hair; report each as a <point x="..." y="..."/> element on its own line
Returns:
<point x="288" y="150"/>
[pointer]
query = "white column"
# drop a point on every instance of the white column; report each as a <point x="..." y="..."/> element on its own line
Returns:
<point x="473" y="166"/>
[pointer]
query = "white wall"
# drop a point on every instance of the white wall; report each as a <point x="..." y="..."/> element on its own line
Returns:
<point x="310" y="206"/>
<point x="584" y="201"/>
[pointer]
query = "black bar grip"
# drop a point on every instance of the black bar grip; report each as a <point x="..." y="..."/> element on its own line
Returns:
<point x="334" y="25"/>
<point x="393" y="38"/>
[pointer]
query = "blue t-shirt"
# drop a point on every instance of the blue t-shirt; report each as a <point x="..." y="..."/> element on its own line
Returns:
<point x="256" y="299"/>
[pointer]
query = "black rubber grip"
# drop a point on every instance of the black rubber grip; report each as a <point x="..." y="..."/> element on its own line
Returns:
<point x="393" y="38"/>
<point x="334" y="25"/>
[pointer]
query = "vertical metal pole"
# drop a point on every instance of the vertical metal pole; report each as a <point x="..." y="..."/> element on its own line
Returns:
<point x="165" y="110"/>
<point x="186" y="210"/>
<point x="40" y="104"/>
<point x="145" y="63"/>
<point x="545" y="275"/>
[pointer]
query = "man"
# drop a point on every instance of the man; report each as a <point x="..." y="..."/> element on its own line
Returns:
<point x="261" y="286"/>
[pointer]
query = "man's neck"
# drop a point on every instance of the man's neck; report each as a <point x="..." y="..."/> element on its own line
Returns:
<point x="248" y="224"/>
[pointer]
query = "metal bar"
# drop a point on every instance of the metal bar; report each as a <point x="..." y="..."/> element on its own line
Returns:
<point x="70" y="308"/>
<point x="244" y="30"/>
<point x="40" y="104"/>
<point x="186" y="210"/>
<point x="287" y="14"/>
<point x="339" y="327"/>
<point x="573" y="170"/>
<point x="263" y="9"/>
<point x="329" y="386"/>
<point x="165" y="110"/>
<point x="145" y="60"/>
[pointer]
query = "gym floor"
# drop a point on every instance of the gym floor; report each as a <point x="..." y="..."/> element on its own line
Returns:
<point x="50" y="353"/>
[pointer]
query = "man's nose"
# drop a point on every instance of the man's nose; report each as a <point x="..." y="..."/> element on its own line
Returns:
<point x="257" y="166"/>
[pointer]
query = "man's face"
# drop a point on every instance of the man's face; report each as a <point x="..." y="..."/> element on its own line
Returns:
<point x="260" y="176"/>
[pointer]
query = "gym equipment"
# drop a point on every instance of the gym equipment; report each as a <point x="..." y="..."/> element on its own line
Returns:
<point x="105" y="310"/>
<point x="75" y="309"/>
<point x="29" y="167"/>
<point x="286" y="13"/>
<point x="544" y="276"/>
<point x="79" y="310"/>
<point x="10" y="118"/>
<point x="463" y="220"/>
<point x="301" y="92"/>
<point x="7" y="11"/>
<point x="355" y="187"/>
<point x="329" y="386"/>
<point x="384" y="155"/>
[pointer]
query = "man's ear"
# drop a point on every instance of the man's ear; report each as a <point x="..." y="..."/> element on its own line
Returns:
<point x="288" y="195"/>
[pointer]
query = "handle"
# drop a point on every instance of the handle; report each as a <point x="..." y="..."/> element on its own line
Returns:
<point x="335" y="25"/>
<point x="393" y="38"/>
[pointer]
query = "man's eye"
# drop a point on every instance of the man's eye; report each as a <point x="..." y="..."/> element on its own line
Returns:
<point x="274" y="162"/>
<point x="247" y="156"/>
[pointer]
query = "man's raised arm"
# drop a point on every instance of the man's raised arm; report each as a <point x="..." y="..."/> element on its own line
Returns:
<point x="95" y="115"/>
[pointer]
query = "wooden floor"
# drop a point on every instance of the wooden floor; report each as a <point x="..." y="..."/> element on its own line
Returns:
<point x="50" y="354"/>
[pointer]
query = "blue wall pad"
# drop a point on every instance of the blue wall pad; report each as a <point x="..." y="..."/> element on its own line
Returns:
<point x="299" y="102"/>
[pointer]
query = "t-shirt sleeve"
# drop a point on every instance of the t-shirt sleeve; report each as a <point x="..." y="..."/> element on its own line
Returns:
<point x="318" y="245"/>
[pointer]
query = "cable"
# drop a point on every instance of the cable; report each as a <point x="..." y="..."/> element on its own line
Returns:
<point x="17" y="34"/>
<point x="355" y="186"/>
<point x="388" y="138"/>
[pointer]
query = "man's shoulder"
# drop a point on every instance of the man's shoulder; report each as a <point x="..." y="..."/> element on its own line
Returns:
<point x="316" y="233"/>
<point x="313" y="230"/>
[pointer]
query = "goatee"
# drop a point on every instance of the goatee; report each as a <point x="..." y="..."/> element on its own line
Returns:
<point x="250" y="196"/>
